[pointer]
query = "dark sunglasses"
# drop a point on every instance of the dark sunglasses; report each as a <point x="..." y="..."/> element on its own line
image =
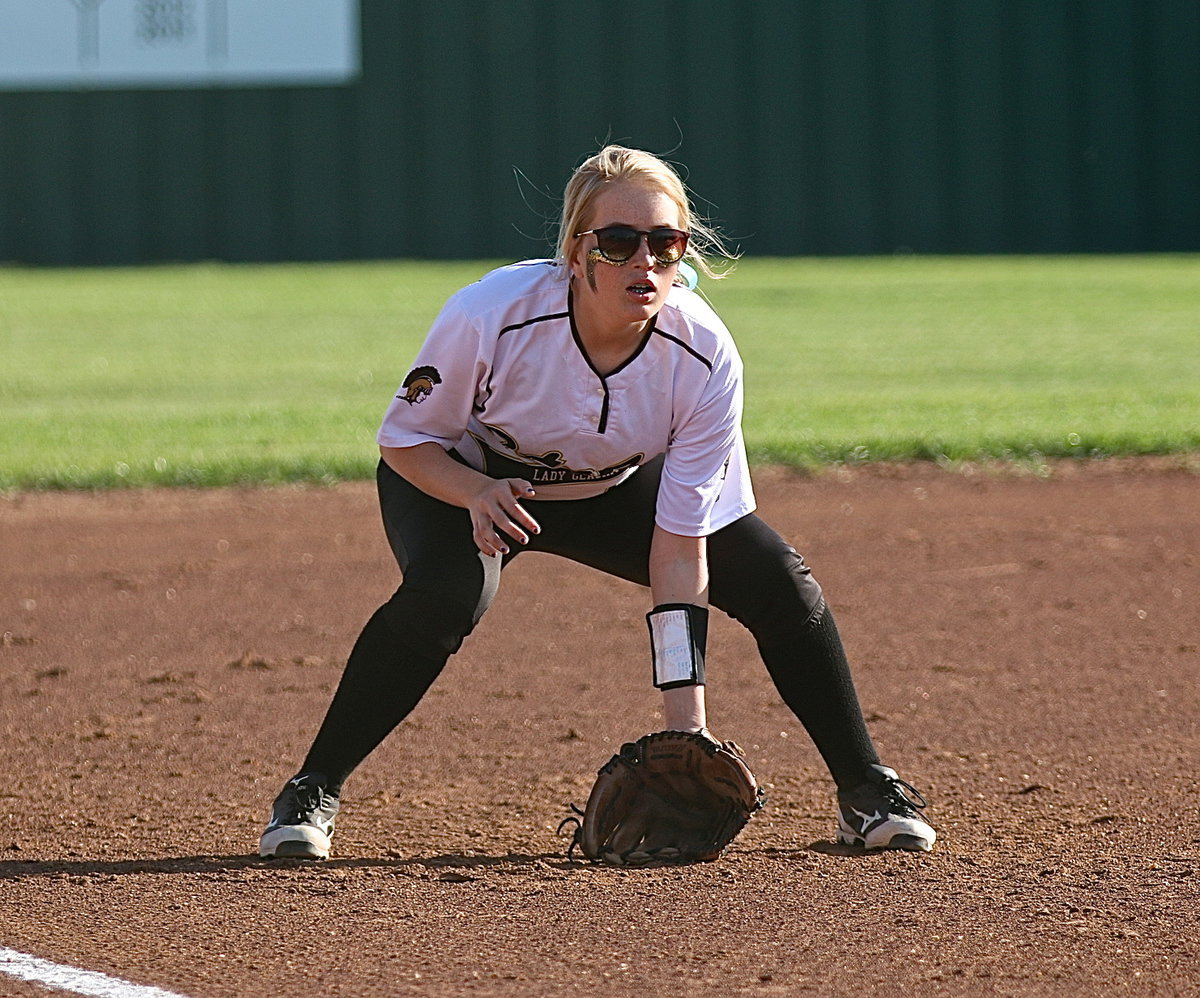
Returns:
<point x="617" y="243"/>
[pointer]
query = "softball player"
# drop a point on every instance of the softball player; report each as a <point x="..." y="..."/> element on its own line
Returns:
<point x="590" y="406"/>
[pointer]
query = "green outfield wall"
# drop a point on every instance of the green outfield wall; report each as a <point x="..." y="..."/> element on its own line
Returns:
<point x="811" y="127"/>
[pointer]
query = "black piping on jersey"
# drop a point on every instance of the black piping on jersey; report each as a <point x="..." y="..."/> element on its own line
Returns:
<point x="487" y="394"/>
<point x="678" y="342"/>
<point x="651" y="330"/>
<point x="602" y="423"/>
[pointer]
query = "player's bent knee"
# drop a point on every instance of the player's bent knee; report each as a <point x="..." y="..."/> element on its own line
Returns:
<point x="768" y="582"/>
<point x="434" y="619"/>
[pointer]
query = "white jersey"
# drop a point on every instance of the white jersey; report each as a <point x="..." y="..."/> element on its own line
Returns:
<point x="503" y="380"/>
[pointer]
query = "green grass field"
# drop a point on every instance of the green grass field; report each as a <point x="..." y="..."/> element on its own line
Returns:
<point x="213" y="374"/>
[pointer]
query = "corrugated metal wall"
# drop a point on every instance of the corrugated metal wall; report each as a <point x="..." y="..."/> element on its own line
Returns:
<point x="813" y="126"/>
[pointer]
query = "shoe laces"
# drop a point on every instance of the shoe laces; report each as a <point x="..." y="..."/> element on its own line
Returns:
<point x="307" y="796"/>
<point x="903" y="795"/>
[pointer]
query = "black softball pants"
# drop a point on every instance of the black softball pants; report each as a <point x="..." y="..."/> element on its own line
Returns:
<point x="754" y="576"/>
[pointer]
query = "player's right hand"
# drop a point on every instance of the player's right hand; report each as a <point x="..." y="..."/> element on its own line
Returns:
<point x="495" y="512"/>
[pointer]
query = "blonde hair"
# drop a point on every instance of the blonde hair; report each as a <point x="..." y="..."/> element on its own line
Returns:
<point x="616" y="164"/>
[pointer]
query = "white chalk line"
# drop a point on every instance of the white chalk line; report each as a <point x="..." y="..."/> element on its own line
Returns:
<point x="72" y="979"/>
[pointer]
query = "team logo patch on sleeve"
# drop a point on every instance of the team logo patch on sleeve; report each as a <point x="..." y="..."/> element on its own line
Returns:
<point x="419" y="384"/>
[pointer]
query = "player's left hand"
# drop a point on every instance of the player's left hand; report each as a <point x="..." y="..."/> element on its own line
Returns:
<point x="669" y="797"/>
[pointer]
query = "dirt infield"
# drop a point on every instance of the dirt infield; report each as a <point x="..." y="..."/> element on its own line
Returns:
<point x="1026" y="650"/>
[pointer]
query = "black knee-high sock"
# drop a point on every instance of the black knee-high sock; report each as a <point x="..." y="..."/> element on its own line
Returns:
<point x="382" y="683"/>
<point x="812" y="674"/>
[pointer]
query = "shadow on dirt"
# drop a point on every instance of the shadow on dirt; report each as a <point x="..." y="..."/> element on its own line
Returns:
<point x="451" y="866"/>
<point x="18" y="869"/>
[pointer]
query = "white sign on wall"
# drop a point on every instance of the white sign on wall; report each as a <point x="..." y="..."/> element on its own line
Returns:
<point x="85" y="44"/>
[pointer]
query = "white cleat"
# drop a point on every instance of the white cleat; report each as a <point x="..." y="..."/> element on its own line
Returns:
<point x="302" y="819"/>
<point x="883" y="813"/>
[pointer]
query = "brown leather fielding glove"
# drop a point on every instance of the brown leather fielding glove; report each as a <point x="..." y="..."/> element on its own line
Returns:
<point x="669" y="797"/>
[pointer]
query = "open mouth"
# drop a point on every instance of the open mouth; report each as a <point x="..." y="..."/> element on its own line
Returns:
<point x="641" y="288"/>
